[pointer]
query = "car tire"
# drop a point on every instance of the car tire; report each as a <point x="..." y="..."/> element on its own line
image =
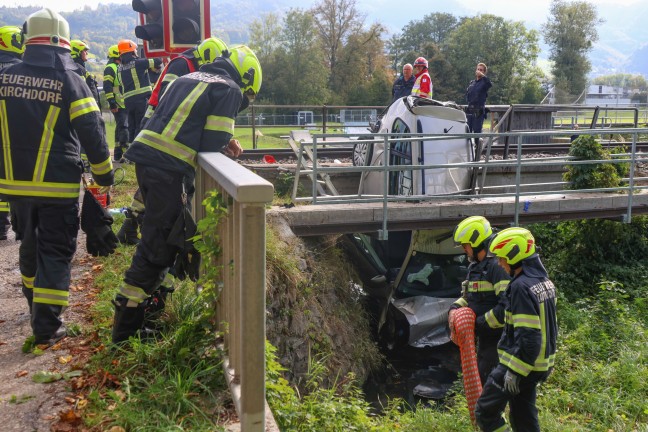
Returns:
<point x="362" y="153"/>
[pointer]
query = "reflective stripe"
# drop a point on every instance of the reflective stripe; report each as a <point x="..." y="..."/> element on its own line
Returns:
<point x="51" y="296"/>
<point x="46" y="143"/>
<point x="102" y="168"/>
<point x="183" y="110"/>
<point x="501" y="286"/>
<point x="149" y="112"/>
<point x="480" y="286"/>
<point x="169" y="77"/>
<point x="461" y="302"/>
<point x="528" y="321"/>
<point x="137" y="91"/>
<point x="28" y="281"/>
<point x="82" y="106"/>
<point x="492" y="320"/>
<point x="168" y="146"/>
<point x="504" y="428"/>
<point x="109" y="78"/>
<point x="6" y="142"/>
<point x="522" y="368"/>
<point x="220" y="123"/>
<point x="39" y="189"/>
<point x="131" y="292"/>
<point x="4" y="206"/>
<point x="152" y="64"/>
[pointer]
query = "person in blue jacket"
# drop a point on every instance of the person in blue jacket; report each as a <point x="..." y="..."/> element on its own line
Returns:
<point x="476" y="95"/>
<point x="404" y="83"/>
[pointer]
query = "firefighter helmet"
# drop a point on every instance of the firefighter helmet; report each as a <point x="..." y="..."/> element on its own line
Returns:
<point x="125" y="46"/>
<point x="513" y="245"/>
<point x="421" y="61"/>
<point x="209" y="49"/>
<point x="11" y="39"/>
<point x="113" y="52"/>
<point x="249" y="69"/>
<point x="77" y="47"/>
<point x="46" y="27"/>
<point x="473" y="231"/>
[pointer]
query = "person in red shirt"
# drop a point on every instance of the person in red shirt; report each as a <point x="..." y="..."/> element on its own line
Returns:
<point x="423" y="85"/>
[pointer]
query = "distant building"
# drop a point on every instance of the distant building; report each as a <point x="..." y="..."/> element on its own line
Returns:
<point x="607" y="95"/>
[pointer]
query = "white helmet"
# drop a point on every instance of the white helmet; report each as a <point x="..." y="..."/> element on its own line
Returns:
<point x="47" y="27"/>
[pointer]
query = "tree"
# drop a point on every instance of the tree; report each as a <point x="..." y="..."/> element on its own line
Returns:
<point x="416" y="35"/>
<point x="507" y="47"/>
<point x="570" y="32"/>
<point x="265" y="35"/>
<point x="336" y="21"/>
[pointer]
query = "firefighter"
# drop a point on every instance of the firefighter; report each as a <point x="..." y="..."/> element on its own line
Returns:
<point x="79" y="52"/>
<point x="195" y="115"/>
<point x="112" y="89"/>
<point x="11" y="50"/>
<point x="47" y="114"/>
<point x="423" y="84"/>
<point x="134" y="78"/>
<point x="187" y="62"/>
<point x="483" y="290"/>
<point x="528" y="345"/>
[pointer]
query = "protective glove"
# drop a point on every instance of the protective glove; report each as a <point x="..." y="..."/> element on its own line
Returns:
<point x="187" y="265"/>
<point x="96" y="223"/>
<point x="512" y="382"/>
<point x="101" y="241"/>
<point x="113" y="104"/>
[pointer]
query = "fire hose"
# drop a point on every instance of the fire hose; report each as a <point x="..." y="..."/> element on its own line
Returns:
<point x="462" y="333"/>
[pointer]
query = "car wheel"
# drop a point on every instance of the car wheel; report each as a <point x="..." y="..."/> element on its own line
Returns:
<point x="362" y="154"/>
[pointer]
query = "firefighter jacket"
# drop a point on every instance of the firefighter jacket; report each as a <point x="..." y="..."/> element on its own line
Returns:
<point x="182" y="65"/>
<point x="196" y="115"/>
<point x="134" y="77"/>
<point x="112" y="85"/>
<point x="423" y="85"/>
<point x="528" y="343"/>
<point x="484" y="291"/>
<point x="89" y="79"/>
<point x="46" y="113"/>
<point x="8" y="59"/>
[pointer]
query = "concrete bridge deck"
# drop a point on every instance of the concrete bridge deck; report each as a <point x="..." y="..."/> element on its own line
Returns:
<point x="310" y="220"/>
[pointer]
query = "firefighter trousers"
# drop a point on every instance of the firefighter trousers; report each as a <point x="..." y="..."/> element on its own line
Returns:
<point x="487" y="357"/>
<point x="489" y="410"/>
<point x="135" y="109"/>
<point x="4" y="219"/>
<point x="121" y="133"/>
<point x="162" y="191"/>
<point x="48" y="235"/>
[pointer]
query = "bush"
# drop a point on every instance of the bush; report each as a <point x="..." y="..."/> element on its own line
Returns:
<point x="590" y="176"/>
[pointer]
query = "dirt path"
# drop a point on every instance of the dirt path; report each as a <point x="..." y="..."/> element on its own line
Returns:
<point x="24" y="404"/>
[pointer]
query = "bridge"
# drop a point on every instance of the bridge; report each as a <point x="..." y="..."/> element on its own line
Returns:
<point x="241" y="305"/>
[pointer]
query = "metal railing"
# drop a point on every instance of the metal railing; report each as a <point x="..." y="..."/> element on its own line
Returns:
<point x="241" y="303"/>
<point x="479" y="168"/>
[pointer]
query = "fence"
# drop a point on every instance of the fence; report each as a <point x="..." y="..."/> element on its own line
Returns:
<point x="479" y="168"/>
<point x="241" y="304"/>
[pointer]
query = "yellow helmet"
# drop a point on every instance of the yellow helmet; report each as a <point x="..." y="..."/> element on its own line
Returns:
<point x="113" y="52"/>
<point x="209" y="49"/>
<point x="473" y="230"/>
<point x="513" y="245"/>
<point x="249" y="69"/>
<point x="77" y="47"/>
<point x="46" y="27"/>
<point x="11" y="39"/>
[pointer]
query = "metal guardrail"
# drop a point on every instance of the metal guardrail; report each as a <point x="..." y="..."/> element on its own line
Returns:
<point x="241" y="308"/>
<point x="479" y="167"/>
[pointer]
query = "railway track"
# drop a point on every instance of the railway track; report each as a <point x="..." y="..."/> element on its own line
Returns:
<point x="283" y="154"/>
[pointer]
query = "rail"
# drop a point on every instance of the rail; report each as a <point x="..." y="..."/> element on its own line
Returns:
<point x="240" y="309"/>
<point x="478" y="168"/>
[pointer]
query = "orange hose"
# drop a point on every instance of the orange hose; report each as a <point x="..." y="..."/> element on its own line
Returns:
<point x="462" y="333"/>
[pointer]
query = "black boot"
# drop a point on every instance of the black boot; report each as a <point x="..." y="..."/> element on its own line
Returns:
<point x="128" y="232"/>
<point x="129" y="320"/>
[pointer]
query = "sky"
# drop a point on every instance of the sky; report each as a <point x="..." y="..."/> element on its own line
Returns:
<point x="534" y="12"/>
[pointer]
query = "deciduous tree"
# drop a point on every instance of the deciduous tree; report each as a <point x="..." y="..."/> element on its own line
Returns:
<point x="570" y="32"/>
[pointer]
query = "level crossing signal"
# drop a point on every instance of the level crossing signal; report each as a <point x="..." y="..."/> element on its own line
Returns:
<point x="170" y="27"/>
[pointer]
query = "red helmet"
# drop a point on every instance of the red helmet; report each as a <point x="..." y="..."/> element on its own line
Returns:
<point x="421" y="62"/>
